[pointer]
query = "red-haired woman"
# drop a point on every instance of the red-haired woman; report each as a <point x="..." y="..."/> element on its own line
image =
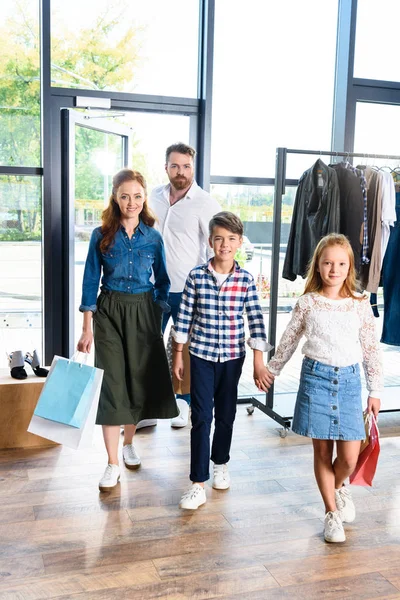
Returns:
<point x="127" y="251"/>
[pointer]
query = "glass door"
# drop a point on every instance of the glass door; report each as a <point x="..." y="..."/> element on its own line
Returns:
<point x="95" y="148"/>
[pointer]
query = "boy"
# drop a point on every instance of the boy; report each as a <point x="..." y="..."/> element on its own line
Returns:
<point x="211" y="315"/>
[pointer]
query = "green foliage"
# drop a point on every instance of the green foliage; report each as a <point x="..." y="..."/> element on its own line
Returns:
<point x="240" y="256"/>
<point x="102" y="56"/>
<point x="20" y="90"/>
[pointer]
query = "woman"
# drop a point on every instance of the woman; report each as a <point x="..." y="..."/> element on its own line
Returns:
<point x="127" y="315"/>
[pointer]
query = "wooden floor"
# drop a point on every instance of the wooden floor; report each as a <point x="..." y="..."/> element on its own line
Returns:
<point x="262" y="539"/>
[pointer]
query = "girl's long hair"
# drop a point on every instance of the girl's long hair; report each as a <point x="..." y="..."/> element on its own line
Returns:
<point x="111" y="216"/>
<point x="314" y="282"/>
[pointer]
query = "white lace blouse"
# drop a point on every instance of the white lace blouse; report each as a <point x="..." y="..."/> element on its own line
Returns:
<point x="338" y="333"/>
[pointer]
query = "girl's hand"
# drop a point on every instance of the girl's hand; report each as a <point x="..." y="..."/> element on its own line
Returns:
<point x="263" y="378"/>
<point x="85" y="342"/>
<point x="177" y="366"/>
<point x="374" y="406"/>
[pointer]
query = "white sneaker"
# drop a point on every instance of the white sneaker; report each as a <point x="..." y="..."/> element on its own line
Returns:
<point x="131" y="457"/>
<point x="182" y="419"/>
<point x="110" y="478"/>
<point x="146" y="423"/>
<point x="345" y="505"/>
<point x="221" y="479"/>
<point x="193" y="498"/>
<point x="334" y="531"/>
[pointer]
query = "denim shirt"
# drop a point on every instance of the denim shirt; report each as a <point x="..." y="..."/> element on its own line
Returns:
<point x="128" y="266"/>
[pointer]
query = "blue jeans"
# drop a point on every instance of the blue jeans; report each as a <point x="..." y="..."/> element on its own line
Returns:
<point x="174" y="299"/>
<point x="213" y="385"/>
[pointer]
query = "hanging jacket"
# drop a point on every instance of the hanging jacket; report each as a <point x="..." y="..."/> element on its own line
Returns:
<point x="351" y="209"/>
<point x="316" y="213"/>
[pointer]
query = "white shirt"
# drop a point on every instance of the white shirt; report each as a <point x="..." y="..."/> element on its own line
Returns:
<point x="338" y="333"/>
<point x="220" y="277"/>
<point x="388" y="210"/>
<point x="184" y="227"/>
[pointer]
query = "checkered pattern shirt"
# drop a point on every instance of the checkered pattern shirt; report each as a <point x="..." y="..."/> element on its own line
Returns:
<point x="212" y="317"/>
<point x="363" y="182"/>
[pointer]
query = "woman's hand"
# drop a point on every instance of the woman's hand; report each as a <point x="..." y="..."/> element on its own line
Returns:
<point x="177" y="366"/>
<point x="374" y="406"/>
<point x="85" y="342"/>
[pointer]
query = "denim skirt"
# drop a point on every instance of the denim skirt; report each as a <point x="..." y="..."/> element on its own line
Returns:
<point x="329" y="404"/>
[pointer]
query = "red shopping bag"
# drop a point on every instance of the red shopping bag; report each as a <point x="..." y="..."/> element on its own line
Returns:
<point x="368" y="458"/>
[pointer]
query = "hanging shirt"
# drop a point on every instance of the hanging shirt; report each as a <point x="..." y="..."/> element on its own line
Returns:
<point x="371" y="273"/>
<point x="184" y="227"/>
<point x="351" y="208"/>
<point x="363" y="182"/>
<point x="388" y="210"/>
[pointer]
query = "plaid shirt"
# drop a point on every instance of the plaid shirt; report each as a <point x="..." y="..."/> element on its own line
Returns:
<point x="363" y="183"/>
<point x="212" y="317"/>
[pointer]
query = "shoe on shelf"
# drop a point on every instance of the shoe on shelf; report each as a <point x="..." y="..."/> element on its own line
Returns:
<point x="182" y="419"/>
<point x="334" y="531"/>
<point x="34" y="361"/>
<point x="146" y="423"/>
<point x="345" y="504"/>
<point x="193" y="498"/>
<point x="131" y="457"/>
<point x="221" y="478"/>
<point x="16" y="363"/>
<point x="110" y="478"/>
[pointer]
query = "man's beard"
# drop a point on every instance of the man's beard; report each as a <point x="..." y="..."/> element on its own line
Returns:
<point x="180" y="183"/>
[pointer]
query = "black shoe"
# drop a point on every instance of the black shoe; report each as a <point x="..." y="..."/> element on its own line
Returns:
<point x="19" y="373"/>
<point x="16" y="362"/>
<point x="33" y="361"/>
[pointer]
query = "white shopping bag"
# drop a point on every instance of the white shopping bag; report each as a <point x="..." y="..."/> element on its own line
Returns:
<point x="68" y="435"/>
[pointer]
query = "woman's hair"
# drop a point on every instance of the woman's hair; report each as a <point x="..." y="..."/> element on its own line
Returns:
<point x="111" y="217"/>
<point x="314" y="281"/>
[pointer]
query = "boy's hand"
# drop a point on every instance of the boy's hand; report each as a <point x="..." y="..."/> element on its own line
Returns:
<point x="177" y="366"/>
<point x="374" y="406"/>
<point x="263" y="378"/>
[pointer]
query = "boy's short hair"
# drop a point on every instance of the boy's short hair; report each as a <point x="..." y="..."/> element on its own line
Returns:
<point x="227" y="220"/>
<point x="181" y="148"/>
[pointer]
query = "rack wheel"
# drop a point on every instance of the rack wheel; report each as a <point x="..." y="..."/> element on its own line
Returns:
<point x="250" y="410"/>
<point x="282" y="432"/>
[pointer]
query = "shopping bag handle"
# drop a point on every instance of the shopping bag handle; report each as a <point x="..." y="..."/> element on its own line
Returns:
<point x="370" y="418"/>
<point x="76" y="357"/>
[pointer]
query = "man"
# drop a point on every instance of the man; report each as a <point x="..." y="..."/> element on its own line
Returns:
<point x="184" y="211"/>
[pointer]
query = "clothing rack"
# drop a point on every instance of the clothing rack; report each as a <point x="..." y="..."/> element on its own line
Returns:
<point x="280" y="184"/>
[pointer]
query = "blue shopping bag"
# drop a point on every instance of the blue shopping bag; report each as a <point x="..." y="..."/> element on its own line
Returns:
<point x="67" y="394"/>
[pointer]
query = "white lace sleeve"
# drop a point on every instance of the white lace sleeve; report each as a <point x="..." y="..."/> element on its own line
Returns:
<point x="290" y="338"/>
<point x="372" y="361"/>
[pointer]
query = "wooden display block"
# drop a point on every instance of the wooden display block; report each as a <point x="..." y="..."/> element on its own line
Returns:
<point x="18" y="399"/>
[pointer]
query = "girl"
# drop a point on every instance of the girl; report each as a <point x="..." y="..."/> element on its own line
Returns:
<point x="336" y="321"/>
<point x="127" y="320"/>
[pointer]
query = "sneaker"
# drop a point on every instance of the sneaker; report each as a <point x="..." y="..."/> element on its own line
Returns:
<point x="221" y="479"/>
<point x="182" y="419"/>
<point x="110" y="478"/>
<point x="131" y="457"/>
<point x="146" y="423"/>
<point x="334" y="531"/>
<point x="193" y="498"/>
<point x="345" y="505"/>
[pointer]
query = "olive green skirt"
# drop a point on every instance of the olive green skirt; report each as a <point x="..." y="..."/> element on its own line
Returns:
<point x="129" y="347"/>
